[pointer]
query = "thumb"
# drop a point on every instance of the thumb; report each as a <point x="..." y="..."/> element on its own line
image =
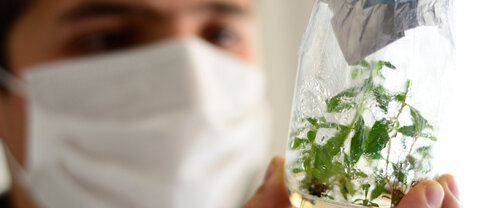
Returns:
<point x="272" y="193"/>
<point x="426" y="194"/>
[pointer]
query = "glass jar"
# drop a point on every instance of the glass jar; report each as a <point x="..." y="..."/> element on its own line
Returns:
<point x="370" y="89"/>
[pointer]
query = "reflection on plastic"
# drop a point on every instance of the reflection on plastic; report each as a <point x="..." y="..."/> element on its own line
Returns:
<point x="365" y="26"/>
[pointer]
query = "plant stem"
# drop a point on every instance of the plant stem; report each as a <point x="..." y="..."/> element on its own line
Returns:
<point x="415" y="138"/>
<point x="394" y="125"/>
<point x="387" y="165"/>
<point x="361" y="107"/>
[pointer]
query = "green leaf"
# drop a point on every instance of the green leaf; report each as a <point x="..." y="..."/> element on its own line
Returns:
<point x="360" y="135"/>
<point x="429" y="126"/>
<point x="336" y="169"/>
<point x="426" y="166"/>
<point x="343" y="191"/>
<point x="425" y="150"/>
<point x="308" y="166"/>
<point x="378" y="190"/>
<point x="311" y="135"/>
<point x="365" y="187"/>
<point x="428" y="136"/>
<point x="380" y="75"/>
<point x="409" y="131"/>
<point x="378" y="66"/>
<point x="297" y="170"/>
<point x="401" y="177"/>
<point x="388" y="65"/>
<point x="356" y="72"/>
<point x="322" y="119"/>
<point x="349" y="187"/>
<point x="378" y="137"/>
<point x="313" y="122"/>
<point x="418" y="120"/>
<point x="298" y="142"/>
<point x="399" y="172"/>
<point x="336" y="106"/>
<point x="400" y="97"/>
<point x="376" y="156"/>
<point x="338" y="140"/>
<point x="341" y="101"/>
<point x="367" y="85"/>
<point x="408" y="84"/>
<point x="324" y="168"/>
<point x="362" y="63"/>
<point x="360" y="173"/>
<point x="382" y="97"/>
<point x="320" y="156"/>
<point x="412" y="161"/>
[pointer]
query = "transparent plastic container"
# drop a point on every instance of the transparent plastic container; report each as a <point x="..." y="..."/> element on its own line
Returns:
<point x="371" y="85"/>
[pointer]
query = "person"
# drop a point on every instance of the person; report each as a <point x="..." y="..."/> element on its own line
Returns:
<point x="141" y="103"/>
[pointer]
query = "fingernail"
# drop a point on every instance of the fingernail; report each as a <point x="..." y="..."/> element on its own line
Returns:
<point x="434" y="195"/>
<point x="270" y="171"/>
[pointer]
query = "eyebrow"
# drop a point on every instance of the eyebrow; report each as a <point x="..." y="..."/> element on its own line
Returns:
<point x="104" y="9"/>
<point x="225" y="8"/>
<point x="96" y="9"/>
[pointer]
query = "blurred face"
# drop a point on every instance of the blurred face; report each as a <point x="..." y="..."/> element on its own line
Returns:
<point x="53" y="30"/>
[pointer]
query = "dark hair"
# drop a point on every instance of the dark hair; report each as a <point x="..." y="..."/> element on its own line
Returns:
<point x="10" y="11"/>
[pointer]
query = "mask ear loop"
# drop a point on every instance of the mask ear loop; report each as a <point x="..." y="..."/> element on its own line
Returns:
<point x="15" y="85"/>
<point x="20" y="175"/>
<point x="12" y="83"/>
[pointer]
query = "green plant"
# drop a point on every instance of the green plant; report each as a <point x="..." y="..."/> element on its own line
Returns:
<point x="330" y="162"/>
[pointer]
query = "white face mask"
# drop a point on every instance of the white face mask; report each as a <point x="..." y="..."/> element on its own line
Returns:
<point x="175" y="124"/>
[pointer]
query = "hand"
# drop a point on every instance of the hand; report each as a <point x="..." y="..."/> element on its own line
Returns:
<point x="272" y="193"/>
<point x="426" y="194"/>
<point x="432" y="194"/>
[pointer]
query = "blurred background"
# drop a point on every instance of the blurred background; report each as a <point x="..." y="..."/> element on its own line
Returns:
<point x="282" y="23"/>
<point x="470" y="144"/>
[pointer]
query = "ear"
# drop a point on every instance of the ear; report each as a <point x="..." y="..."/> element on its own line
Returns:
<point x="3" y="115"/>
<point x="12" y="125"/>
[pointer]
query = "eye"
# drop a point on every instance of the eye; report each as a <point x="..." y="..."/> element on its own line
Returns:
<point x="222" y="37"/>
<point x="104" y="41"/>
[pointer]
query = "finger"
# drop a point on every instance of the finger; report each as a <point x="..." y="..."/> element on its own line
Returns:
<point x="450" y="187"/>
<point x="426" y="194"/>
<point x="272" y="193"/>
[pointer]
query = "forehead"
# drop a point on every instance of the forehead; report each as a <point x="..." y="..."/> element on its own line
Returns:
<point x="57" y="7"/>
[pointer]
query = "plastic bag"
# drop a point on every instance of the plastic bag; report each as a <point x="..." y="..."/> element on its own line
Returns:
<point x="369" y="97"/>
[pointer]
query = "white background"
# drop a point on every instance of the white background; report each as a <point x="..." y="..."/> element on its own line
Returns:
<point x="471" y="146"/>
